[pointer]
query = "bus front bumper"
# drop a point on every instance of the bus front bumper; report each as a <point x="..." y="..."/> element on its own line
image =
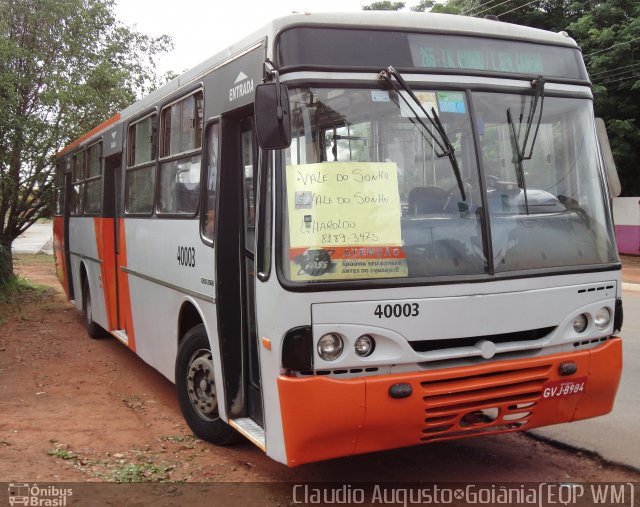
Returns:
<point x="326" y="418"/>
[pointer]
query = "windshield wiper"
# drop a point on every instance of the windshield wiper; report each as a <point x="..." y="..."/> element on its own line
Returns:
<point x="538" y="86"/>
<point x="443" y="143"/>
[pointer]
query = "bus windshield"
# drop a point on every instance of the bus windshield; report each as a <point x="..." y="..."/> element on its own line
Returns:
<point x="368" y="194"/>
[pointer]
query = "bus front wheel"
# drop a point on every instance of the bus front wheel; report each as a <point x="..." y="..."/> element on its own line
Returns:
<point x="197" y="389"/>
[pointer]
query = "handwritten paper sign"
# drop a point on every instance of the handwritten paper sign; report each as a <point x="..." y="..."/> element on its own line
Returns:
<point x="344" y="221"/>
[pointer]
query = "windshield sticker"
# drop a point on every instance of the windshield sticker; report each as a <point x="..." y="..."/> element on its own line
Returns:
<point x="451" y="102"/>
<point x="344" y="221"/>
<point x="380" y="96"/>
<point x="409" y="109"/>
<point x="303" y="199"/>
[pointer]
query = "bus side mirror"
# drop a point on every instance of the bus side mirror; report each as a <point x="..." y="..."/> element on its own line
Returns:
<point x="615" y="189"/>
<point x="273" y="123"/>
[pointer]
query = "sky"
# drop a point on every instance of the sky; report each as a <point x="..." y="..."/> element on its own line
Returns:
<point x="201" y="28"/>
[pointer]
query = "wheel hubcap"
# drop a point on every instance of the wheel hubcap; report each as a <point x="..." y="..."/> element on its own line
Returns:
<point x="201" y="386"/>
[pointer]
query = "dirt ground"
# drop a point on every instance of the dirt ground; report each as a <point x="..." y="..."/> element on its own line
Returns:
<point x="76" y="409"/>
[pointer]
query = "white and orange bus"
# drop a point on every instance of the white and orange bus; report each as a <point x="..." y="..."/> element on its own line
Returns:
<point x="402" y="236"/>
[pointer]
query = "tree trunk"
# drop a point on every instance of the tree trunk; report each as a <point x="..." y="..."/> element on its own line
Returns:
<point x="6" y="260"/>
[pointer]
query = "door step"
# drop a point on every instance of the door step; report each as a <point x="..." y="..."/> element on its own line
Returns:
<point x="121" y="335"/>
<point x="251" y="430"/>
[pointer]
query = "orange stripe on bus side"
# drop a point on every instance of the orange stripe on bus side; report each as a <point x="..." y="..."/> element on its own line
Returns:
<point x="107" y="254"/>
<point x="58" y="252"/>
<point x="125" y="296"/>
<point x="92" y="132"/>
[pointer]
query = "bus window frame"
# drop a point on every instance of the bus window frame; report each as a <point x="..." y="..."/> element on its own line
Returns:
<point x="58" y="187"/>
<point x="153" y="163"/>
<point x="154" y="146"/>
<point x="78" y="181"/>
<point x="204" y="178"/>
<point x="183" y="155"/>
<point x="88" y="180"/>
<point x="264" y="214"/>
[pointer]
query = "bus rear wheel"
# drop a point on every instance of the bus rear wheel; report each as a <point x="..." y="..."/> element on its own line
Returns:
<point x="197" y="389"/>
<point x="93" y="329"/>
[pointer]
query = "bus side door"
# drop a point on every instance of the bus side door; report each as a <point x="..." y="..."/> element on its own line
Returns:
<point x="235" y="271"/>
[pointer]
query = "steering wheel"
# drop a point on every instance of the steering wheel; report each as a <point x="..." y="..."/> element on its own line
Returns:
<point x="491" y="180"/>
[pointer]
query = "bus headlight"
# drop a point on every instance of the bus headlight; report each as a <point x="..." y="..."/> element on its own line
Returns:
<point x="580" y="323"/>
<point x="364" y="345"/>
<point x="330" y="346"/>
<point x="602" y="318"/>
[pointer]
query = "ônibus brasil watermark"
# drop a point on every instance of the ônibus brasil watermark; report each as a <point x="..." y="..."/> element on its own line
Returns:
<point x="40" y="496"/>
<point x="540" y="495"/>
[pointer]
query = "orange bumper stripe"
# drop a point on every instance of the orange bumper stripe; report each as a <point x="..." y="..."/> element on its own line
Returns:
<point x="326" y="418"/>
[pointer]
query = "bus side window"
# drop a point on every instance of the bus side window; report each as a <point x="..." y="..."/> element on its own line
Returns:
<point x="78" y="184"/>
<point x="93" y="185"/>
<point x="179" y="175"/>
<point x="210" y="182"/>
<point x="59" y="189"/>
<point x="141" y="171"/>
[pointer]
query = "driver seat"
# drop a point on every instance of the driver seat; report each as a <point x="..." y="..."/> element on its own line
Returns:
<point x="425" y="200"/>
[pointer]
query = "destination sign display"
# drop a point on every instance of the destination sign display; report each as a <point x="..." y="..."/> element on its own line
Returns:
<point x="464" y="53"/>
<point x="377" y="49"/>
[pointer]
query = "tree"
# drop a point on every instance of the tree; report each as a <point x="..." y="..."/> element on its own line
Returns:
<point x="384" y="5"/>
<point x="423" y="5"/>
<point x="65" y="66"/>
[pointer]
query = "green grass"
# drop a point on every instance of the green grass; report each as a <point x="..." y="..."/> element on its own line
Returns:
<point x="33" y="259"/>
<point x="178" y="438"/>
<point x="18" y="290"/>
<point x="62" y="453"/>
<point x="134" y="472"/>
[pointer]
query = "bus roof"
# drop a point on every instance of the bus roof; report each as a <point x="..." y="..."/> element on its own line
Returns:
<point x="421" y="21"/>
<point x="411" y="21"/>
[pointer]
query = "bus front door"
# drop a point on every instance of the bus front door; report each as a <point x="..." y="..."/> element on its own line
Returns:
<point x="234" y="264"/>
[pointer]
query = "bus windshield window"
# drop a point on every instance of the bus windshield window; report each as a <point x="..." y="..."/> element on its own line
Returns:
<point x="367" y="195"/>
<point x="563" y="220"/>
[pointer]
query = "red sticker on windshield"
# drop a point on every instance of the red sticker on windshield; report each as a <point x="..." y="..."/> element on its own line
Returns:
<point x="562" y="388"/>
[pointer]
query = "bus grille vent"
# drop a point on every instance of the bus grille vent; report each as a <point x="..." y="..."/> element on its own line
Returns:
<point x="595" y="288"/>
<point x="340" y="373"/>
<point x="591" y="342"/>
<point x="488" y="403"/>
<point x="529" y="335"/>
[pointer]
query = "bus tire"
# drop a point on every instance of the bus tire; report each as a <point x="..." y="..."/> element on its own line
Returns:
<point x="93" y="329"/>
<point x="196" y="389"/>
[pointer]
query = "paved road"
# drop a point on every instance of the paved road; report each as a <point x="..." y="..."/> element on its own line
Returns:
<point x="614" y="436"/>
<point x="37" y="239"/>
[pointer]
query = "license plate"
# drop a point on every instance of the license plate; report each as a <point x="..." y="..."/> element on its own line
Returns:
<point x="562" y="388"/>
